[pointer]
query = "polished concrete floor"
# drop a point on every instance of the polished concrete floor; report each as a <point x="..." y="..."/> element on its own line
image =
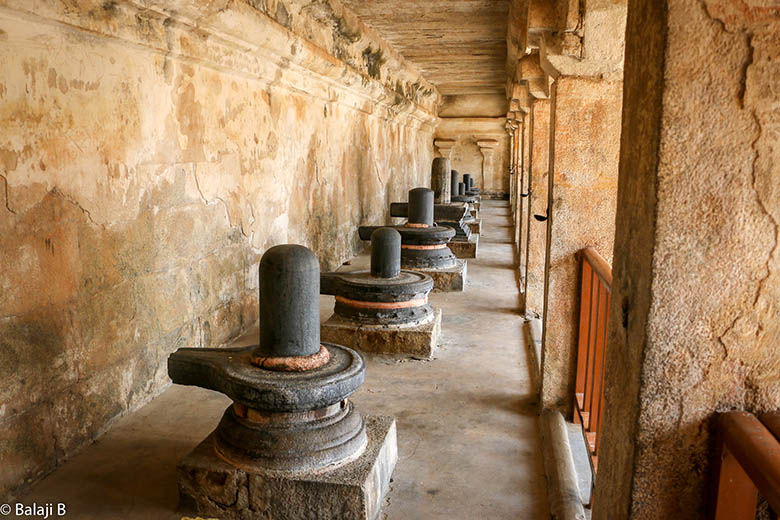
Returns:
<point x="467" y="427"/>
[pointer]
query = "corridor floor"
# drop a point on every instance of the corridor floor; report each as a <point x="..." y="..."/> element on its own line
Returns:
<point x="467" y="433"/>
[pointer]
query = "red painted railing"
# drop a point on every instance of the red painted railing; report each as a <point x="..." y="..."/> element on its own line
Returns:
<point x="747" y="463"/>
<point x="591" y="348"/>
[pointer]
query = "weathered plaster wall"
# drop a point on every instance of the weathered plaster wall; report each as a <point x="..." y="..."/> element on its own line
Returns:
<point x="466" y="156"/>
<point x="695" y="321"/>
<point x="150" y="152"/>
<point x="587" y="148"/>
<point x="537" y="231"/>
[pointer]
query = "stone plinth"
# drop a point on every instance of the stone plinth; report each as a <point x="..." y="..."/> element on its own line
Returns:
<point x="416" y="341"/>
<point x="475" y="225"/>
<point x="210" y="487"/>
<point x="452" y="279"/>
<point x="465" y="248"/>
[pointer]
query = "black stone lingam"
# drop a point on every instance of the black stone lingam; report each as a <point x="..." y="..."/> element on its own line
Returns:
<point x="462" y="197"/>
<point x="468" y="180"/>
<point x="384" y="295"/>
<point x="455" y="215"/>
<point x="290" y="411"/>
<point x="423" y="244"/>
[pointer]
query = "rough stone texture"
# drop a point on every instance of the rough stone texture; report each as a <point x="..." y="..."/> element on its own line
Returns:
<point x="446" y="280"/>
<point x="525" y="212"/>
<point x="354" y="491"/>
<point x="473" y="105"/>
<point x="418" y="341"/>
<point x="476" y="225"/>
<point x="459" y="46"/>
<point x="694" y="327"/>
<point x="465" y="248"/>
<point x="537" y="231"/>
<point x="149" y="154"/>
<point x="466" y="157"/>
<point x="585" y="171"/>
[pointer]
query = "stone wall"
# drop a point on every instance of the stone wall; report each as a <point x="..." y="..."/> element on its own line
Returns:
<point x="695" y="319"/>
<point x="492" y="178"/>
<point x="150" y="152"/>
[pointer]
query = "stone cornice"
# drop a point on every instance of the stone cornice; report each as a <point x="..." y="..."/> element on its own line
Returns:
<point x="241" y="40"/>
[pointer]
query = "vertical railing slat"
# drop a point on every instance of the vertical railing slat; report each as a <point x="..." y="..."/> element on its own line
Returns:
<point x="595" y="291"/>
<point x="594" y="305"/>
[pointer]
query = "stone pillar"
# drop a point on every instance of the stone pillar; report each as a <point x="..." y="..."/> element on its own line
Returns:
<point x="525" y="213"/>
<point x="584" y="170"/>
<point x="536" y="230"/>
<point x="441" y="180"/>
<point x="510" y="130"/>
<point x="517" y="202"/>
<point x="486" y="147"/>
<point x="695" y="313"/>
<point x="444" y="147"/>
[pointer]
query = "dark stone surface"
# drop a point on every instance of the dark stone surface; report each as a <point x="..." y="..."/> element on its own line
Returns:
<point x="421" y="206"/>
<point x="453" y="215"/>
<point x="291" y="442"/>
<point x="230" y="371"/>
<point x="454" y="175"/>
<point x="461" y="188"/>
<point x="356" y="291"/>
<point x="413" y="256"/>
<point x="440" y="180"/>
<point x="385" y="253"/>
<point x="289" y="302"/>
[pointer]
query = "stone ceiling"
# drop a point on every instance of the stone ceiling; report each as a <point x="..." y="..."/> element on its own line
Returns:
<point x="459" y="45"/>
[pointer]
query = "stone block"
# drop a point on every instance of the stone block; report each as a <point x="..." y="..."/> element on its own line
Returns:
<point x="452" y="279"/>
<point x="211" y="487"/>
<point x="475" y="225"/>
<point x="465" y="248"/>
<point x="417" y="341"/>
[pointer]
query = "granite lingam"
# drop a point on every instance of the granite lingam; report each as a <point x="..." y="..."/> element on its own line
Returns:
<point x="424" y="245"/>
<point x="385" y="308"/>
<point x="291" y="440"/>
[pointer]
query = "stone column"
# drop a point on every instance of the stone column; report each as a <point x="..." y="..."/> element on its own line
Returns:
<point x="441" y="180"/>
<point x="695" y="313"/>
<point x="537" y="230"/>
<point x="445" y="146"/>
<point x="486" y="147"/>
<point x="511" y="171"/>
<point x="584" y="171"/>
<point x="525" y="213"/>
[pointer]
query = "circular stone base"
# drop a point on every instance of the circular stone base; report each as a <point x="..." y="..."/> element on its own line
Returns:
<point x="290" y="442"/>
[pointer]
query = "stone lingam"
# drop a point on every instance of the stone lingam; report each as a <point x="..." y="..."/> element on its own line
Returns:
<point x="291" y="444"/>
<point x="471" y="189"/>
<point x="384" y="309"/>
<point x="424" y="244"/>
<point x="454" y="215"/>
<point x="459" y="195"/>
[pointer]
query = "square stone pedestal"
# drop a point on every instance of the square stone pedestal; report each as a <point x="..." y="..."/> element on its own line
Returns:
<point x="418" y="341"/>
<point x="448" y="280"/>
<point x="465" y="248"/>
<point x="475" y="225"/>
<point x="212" y="488"/>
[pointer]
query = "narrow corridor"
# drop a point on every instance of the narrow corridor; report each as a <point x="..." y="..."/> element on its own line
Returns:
<point x="467" y="434"/>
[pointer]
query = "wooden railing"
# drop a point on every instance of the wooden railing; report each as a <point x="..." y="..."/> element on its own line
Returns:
<point x="747" y="463"/>
<point x="591" y="349"/>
